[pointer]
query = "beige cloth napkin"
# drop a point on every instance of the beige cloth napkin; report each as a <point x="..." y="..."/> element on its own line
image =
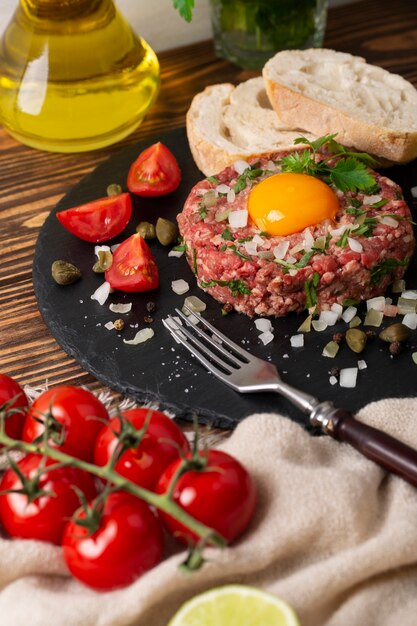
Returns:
<point x="334" y="535"/>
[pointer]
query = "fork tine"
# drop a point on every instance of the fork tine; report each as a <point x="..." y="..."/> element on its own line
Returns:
<point x="228" y="342"/>
<point x="179" y="331"/>
<point x="229" y="356"/>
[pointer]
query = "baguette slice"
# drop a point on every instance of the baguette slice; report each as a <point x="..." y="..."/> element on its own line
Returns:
<point x="326" y="92"/>
<point x="227" y="123"/>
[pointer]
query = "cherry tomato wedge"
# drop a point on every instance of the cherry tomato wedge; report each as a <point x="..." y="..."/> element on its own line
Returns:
<point x="222" y="496"/>
<point x="14" y="404"/>
<point x="45" y="516"/>
<point x="134" y="267"/>
<point x="127" y="543"/>
<point x="79" y="412"/>
<point x="99" y="220"/>
<point x="144" y="462"/>
<point x="154" y="173"/>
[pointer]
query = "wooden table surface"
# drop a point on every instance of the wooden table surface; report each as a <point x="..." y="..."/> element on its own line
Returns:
<point x="31" y="182"/>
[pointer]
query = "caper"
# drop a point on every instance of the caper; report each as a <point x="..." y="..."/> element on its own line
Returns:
<point x="64" y="273"/>
<point x="356" y="339"/>
<point x="104" y="262"/>
<point x="166" y="231"/>
<point x="146" y="230"/>
<point x="395" y="332"/>
<point x="114" y="189"/>
<point x="118" y="324"/>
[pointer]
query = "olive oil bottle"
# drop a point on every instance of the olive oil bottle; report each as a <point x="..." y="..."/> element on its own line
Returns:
<point x="73" y="75"/>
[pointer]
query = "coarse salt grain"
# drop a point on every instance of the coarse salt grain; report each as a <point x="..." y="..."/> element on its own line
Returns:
<point x="333" y="380"/>
<point x="362" y="365"/>
<point x="410" y="320"/>
<point x="348" y="376"/>
<point x="262" y="324"/>
<point x="414" y="191"/>
<point x="109" y="325"/>
<point x="297" y="341"/>
<point x="180" y="286"/>
<point x="266" y="337"/>
<point x="328" y="317"/>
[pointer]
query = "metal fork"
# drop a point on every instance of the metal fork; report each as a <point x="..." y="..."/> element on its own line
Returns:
<point x="247" y="373"/>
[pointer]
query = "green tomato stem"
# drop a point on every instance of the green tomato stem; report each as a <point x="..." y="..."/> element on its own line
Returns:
<point x="162" y="502"/>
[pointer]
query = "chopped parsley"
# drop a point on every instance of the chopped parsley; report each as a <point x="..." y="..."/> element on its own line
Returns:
<point x="237" y="287"/>
<point x="349" y="173"/>
<point x="398" y="195"/>
<point x="324" y="245"/>
<point x="356" y="212"/>
<point x="195" y="261"/>
<point x="379" y="204"/>
<point x="366" y="228"/>
<point x="343" y="241"/>
<point x="202" y="209"/>
<point x="226" y="234"/>
<point x="213" y="180"/>
<point x="296" y="266"/>
<point x="263" y="233"/>
<point x="245" y="239"/>
<point x="239" y="254"/>
<point x="350" y="302"/>
<point x="310" y="290"/>
<point x="246" y="176"/>
<point x="387" y="266"/>
<point x="181" y="247"/>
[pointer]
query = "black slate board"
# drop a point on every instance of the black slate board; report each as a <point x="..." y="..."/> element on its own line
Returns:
<point x="161" y="371"/>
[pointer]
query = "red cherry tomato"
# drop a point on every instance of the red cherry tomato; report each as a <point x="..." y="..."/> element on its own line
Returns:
<point x="46" y="516"/>
<point x="128" y="542"/>
<point x="154" y="173"/>
<point x="99" y="220"/>
<point x="159" y="447"/>
<point x="80" y="413"/>
<point x="222" y="496"/>
<point x="15" y="412"/>
<point x="134" y="267"/>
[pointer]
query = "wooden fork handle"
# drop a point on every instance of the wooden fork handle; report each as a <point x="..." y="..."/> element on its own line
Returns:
<point x="388" y="452"/>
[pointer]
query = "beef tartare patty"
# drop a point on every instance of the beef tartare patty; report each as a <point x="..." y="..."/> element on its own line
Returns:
<point x="354" y="256"/>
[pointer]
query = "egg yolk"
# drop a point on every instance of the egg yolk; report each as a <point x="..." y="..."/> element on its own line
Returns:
<point x="287" y="203"/>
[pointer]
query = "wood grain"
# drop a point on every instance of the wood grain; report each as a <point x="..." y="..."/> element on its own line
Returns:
<point x="31" y="182"/>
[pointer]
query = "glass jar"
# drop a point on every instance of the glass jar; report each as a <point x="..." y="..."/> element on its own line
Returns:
<point x="73" y="75"/>
<point x="249" y="32"/>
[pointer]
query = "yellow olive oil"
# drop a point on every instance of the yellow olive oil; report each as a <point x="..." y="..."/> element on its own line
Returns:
<point x="73" y="75"/>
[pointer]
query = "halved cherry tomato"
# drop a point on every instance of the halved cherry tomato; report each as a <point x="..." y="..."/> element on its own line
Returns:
<point x="14" y="404"/>
<point x="127" y="543"/>
<point x="143" y="463"/>
<point x="221" y="496"/>
<point x="45" y="516"/>
<point x="99" y="220"/>
<point x="79" y="412"/>
<point x="154" y="173"/>
<point x="134" y="267"/>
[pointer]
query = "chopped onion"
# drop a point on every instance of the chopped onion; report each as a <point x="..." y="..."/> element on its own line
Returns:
<point x="263" y="325"/>
<point x="410" y="320"/>
<point x="195" y="304"/>
<point x="258" y="240"/>
<point x="297" y="248"/>
<point x="222" y="215"/>
<point x="291" y="259"/>
<point x="387" y="220"/>
<point x="371" y="199"/>
<point x="330" y="349"/>
<point x="306" y="325"/>
<point x="347" y="377"/>
<point x="222" y="188"/>
<point x="355" y="245"/>
<point x="319" y="325"/>
<point x="362" y="365"/>
<point x="406" y="305"/>
<point x="333" y="380"/>
<point x="281" y="249"/>
<point x="414" y="191"/>
<point x="373" y="318"/>
<point x="210" y="198"/>
<point x="180" y="286"/>
<point x="176" y="253"/>
<point x="251" y="247"/>
<point x="377" y="304"/>
<point x="121" y="308"/>
<point x="336" y="232"/>
<point x="355" y="321"/>
<point x="266" y="337"/>
<point x="239" y="218"/>
<point x="410" y="294"/>
<point x="308" y="240"/>
<point x="320" y="242"/>
<point x="109" y="325"/>
<point x="328" y="317"/>
<point x="231" y="196"/>
<point x="337" y="308"/>
<point x="240" y="166"/>
<point x="349" y="313"/>
<point x="102" y="293"/>
<point x="297" y="341"/>
<point x="114" y="247"/>
<point x="142" y="335"/>
<point x="414" y="357"/>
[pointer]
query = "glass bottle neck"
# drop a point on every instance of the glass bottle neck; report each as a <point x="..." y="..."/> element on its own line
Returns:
<point x="61" y="9"/>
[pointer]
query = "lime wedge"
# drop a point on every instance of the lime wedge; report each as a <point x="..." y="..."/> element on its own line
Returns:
<point x="235" y="605"/>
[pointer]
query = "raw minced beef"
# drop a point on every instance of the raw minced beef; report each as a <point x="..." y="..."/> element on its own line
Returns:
<point x="239" y="266"/>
